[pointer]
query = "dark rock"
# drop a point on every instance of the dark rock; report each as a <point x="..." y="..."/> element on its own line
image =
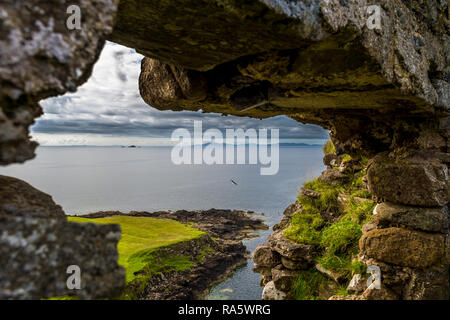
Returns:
<point x="383" y="293"/>
<point x="263" y="271"/>
<point x="334" y="275"/>
<point x="291" y="250"/>
<point x="425" y="219"/>
<point x="292" y="209"/>
<point x="332" y="176"/>
<point x="431" y="284"/>
<point x="358" y="284"/>
<point x="310" y="193"/>
<point x="328" y="159"/>
<point x="224" y="224"/>
<point x="294" y="265"/>
<point x="19" y="199"/>
<point x="270" y="292"/>
<point x="170" y="85"/>
<point x="413" y="181"/>
<point x="283" y="279"/>
<point x="282" y="224"/>
<point x="195" y="282"/>
<point x="263" y="256"/>
<point x="403" y="247"/>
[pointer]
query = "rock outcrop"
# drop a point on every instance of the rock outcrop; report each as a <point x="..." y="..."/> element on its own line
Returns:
<point x="220" y="223"/>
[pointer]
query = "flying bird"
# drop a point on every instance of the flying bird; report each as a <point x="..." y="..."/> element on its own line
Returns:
<point x="234" y="182"/>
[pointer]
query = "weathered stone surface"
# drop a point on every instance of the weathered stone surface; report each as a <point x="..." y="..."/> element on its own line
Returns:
<point x="403" y="247"/>
<point x="178" y="84"/>
<point x="283" y="279"/>
<point x="18" y="198"/>
<point x="272" y="293"/>
<point x="264" y="271"/>
<point x="263" y="256"/>
<point x="36" y="252"/>
<point x="413" y="181"/>
<point x="358" y="82"/>
<point x="293" y="265"/>
<point x="426" y="219"/>
<point x="329" y="160"/>
<point x="219" y="223"/>
<point x="292" y="209"/>
<point x="289" y="249"/>
<point x="40" y="57"/>
<point x="358" y="284"/>
<point x="334" y="275"/>
<point x="310" y="193"/>
<point x="332" y="176"/>
<point x="203" y="34"/>
<point x="282" y="224"/>
<point x="368" y="227"/>
<point x="383" y="293"/>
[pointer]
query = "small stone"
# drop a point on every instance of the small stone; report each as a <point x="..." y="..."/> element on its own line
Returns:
<point x="414" y="181"/>
<point x="283" y="279"/>
<point x="379" y="294"/>
<point x="358" y="284"/>
<point x="293" y="265"/>
<point x="336" y="276"/>
<point x="272" y="293"/>
<point x="334" y="177"/>
<point x="263" y="256"/>
<point x="403" y="247"/>
<point x="310" y="193"/>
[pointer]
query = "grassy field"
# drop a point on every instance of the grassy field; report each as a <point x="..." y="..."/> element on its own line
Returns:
<point x="142" y="236"/>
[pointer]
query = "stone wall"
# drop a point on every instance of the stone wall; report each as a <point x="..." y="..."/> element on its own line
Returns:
<point x="40" y="58"/>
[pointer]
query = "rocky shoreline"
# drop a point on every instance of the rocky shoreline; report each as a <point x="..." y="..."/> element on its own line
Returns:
<point x="217" y="254"/>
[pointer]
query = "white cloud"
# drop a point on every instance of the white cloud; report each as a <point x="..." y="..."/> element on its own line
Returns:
<point x="108" y="110"/>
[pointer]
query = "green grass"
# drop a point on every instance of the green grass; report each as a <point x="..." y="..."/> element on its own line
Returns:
<point x="329" y="148"/>
<point x="342" y="291"/>
<point x="338" y="241"/>
<point x="142" y="236"/>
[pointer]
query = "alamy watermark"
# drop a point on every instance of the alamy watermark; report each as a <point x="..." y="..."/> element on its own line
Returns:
<point x="374" y="281"/>
<point x="211" y="147"/>
<point x="74" y="280"/>
<point x="73" y="22"/>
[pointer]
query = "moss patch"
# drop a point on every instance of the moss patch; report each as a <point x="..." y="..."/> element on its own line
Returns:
<point x="337" y="239"/>
<point x="329" y="148"/>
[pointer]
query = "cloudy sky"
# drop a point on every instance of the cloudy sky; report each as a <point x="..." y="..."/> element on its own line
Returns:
<point x="108" y="110"/>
